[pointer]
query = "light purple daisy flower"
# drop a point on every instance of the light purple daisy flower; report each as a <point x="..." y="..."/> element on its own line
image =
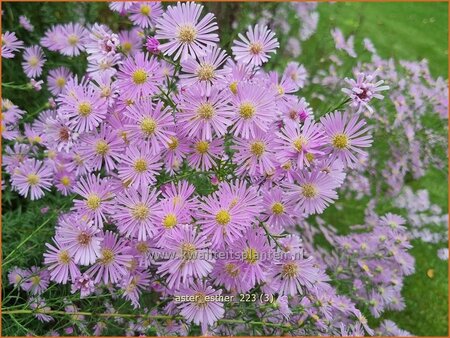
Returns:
<point x="205" y="70"/>
<point x="253" y="110"/>
<point x="139" y="166"/>
<point x="136" y="213"/>
<point x="25" y="23"/>
<point x="32" y="178"/>
<point x="97" y="202"/>
<point x="65" y="181"/>
<point x="203" y="114"/>
<point x="130" y="41"/>
<point x="201" y="311"/>
<point x="297" y="73"/>
<point x="102" y="148"/>
<point x="10" y="45"/>
<point x="190" y="256"/>
<point x="300" y="143"/>
<point x="139" y="76"/>
<point x="313" y="193"/>
<point x="133" y="286"/>
<point x="187" y="34"/>
<point x="74" y="39"/>
<point x="279" y="211"/>
<point x="255" y="47"/>
<point x="53" y="38"/>
<point x="84" y="284"/>
<point x="346" y="136"/>
<point x="33" y="61"/>
<point x="150" y="122"/>
<point x="16" y="276"/>
<point x="121" y="6"/>
<point x="145" y="14"/>
<point x="255" y="155"/>
<point x="37" y="281"/>
<point x="296" y="111"/>
<point x="363" y="90"/>
<point x="61" y="264"/>
<point x="111" y="265"/>
<point x="204" y="153"/>
<point x="57" y="79"/>
<point x="59" y="133"/>
<point x="80" y="237"/>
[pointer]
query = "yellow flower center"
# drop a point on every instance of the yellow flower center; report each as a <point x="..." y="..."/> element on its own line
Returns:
<point x="280" y="90"/>
<point x="101" y="148"/>
<point x="299" y="143"/>
<point x="107" y="256"/>
<point x="142" y="247"/>
<point x="148" y="126"/>
<point x="126" y="47"/>
<point x="223" y="217"/>
<point x="60" y="82"/>
<point x="205" y="72"/>
<point x="139" y="76"/>
<point x="232" y="270"/>
<point x="277" y="208"/>
<point x="188" y="251"/>
<point x="35" y="280"/>
<point x="64" y="257"/>
<point x="169" y="221"/>
<point x="73" y="39"/>
<point x="251" y="255"/>
<point x="234" y="87"/>
<point x="340" y="141"/>
<point x="84" y="238"/>
<point x="287" y="165"/>
<point x="310" y="157"/>
<point x="33" y="179"/>
<point x="93" y="201"/>
<point x="256" y="48"/>
<point x="84" y="109"/>
<point x="33" y="61"/>
<point x="140" y="165"/>
<point x="173" y="143"/>
<point x="187" y="33"/>
<point x="257" y="148"/>
<point x="65" y="181"/>
<point x="202" y="147"/>
<point x="140" y="212"/>
<point x="247" y="110"/>
<point x="206" y="111"/>
<point x="200" y="299"/>
<point x="309" y="190"/>
<point x="146" y="10"/>
<point x="289" y="270"/>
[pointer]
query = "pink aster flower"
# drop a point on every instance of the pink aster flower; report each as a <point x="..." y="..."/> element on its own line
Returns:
<point x="297" y="73"/>
<point x="283" y="88"/>
<point x="300" y="143"/>
<point x="346" y="136"/>
<point x="253" y="110"/>
<point x="133" y="285"/>
<point x="279" y="211"/>
<point x="246" y="197"/>
<point x="228" y="274"/>
<point x="136" y="213"/>
<point x="139" y="166"/>
<point x="139" y="76"/>
<point x="202" y="113"/>
<point x="61" y="264"/>
<point x="187" y="34"/>
<point x="363" y="90"/>
<point x="176" y="150"/>
<point x="255" y="46"/>
<point x="205" y="70"/>
<point x="204" y="153"/>
<point x="80" y="237"/>
<point x="190" y="250"/>
<point x="33" y="61"/>
<point x="202" y="311"/>
<point x="37" y="281"/>
<point x="53" y="38"/>
<point x="25" y="23"/>
<point x="84" y="106"/>
<point x="313" y="193"/>
<point x="65" y="181"/>
<point x="111" y="265"/>
<point x="150" y="122"/>
<point x="73" y="40"/>
<point x="97" y="202"/>
<point x="170" y="216"/>
<point x="84" y="284"/>
<point x="59" y="133"/>
<point x="38" y="305"/>
<point x="296" y="275"/>
<point x="255" y="155"/>
<point x="152" y="45"/>
<point x="145" y="14"/>
<point x="130" y="41"/>
<point x="10" y="45"/>
<point x="121" y="6"/>
<point x="32" y="178"/>
<point x="17" y="275"/>
<point x="102" y="148"/>
<point x="296" y="111"/>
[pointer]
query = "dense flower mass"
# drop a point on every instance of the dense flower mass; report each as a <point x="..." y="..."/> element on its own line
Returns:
<point x="162" y="107"/>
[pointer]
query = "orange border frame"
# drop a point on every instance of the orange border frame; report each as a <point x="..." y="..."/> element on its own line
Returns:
<point x="380" y="1"/>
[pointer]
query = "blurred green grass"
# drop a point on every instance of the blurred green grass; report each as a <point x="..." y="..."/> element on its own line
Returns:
<point x="410" y="31"/>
